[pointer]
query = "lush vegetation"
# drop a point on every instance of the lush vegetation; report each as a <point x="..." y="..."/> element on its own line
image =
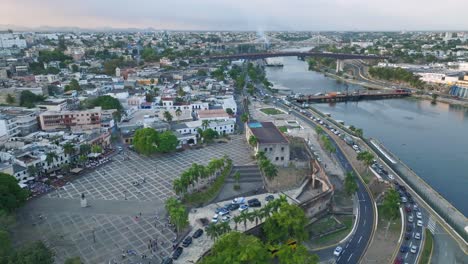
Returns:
<point x="396" y="74"/>
<point x="284" y="229"/>
<point x="366" y="157"/>
<point x="357" y="131"/>
<point x="29" y="99"/>
<point x="391" y="204"/>
<point x="318" y="63"/>
<point x="178" y="214"/>
<point x="73" y="85"/>
<point x="268" y="168"/>
<point x="148" y="141"/>
<point x="106" y="102"/>
<point x="328" y="144"/>
<point x="55" y="55"/>
<point x="350" y="184"/>
<point x="428" y="246"/>
<point x="11" y="195"/>
<point x="235" y="247"/>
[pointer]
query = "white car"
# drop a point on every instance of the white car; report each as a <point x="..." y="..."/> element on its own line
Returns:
<point x="420" y="223"/>
<point x="414" y="249"/>
<point x="410" y="218"/>
<point x="239" y="200"/>
<point x="417" y="236"/>
<point x="418" y="215"/>
<point x="226" y="218"/>
<point x="338" y="251"/>
<point x="390" y="176"/>
<point x="214" y="220"/>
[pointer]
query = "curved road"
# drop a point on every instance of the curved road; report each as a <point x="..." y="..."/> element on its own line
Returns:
<point x="356" y="245"/>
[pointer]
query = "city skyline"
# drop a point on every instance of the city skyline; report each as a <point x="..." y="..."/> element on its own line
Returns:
<point x="257" y="15"/>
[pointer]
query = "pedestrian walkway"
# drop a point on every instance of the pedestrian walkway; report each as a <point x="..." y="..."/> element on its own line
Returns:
<point x="432" y="225"/>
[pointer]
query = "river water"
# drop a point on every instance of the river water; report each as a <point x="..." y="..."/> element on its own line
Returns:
<point x="430" y="139"/>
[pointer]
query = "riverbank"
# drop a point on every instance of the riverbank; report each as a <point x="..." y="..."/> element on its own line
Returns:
<point x="372" y="86"/>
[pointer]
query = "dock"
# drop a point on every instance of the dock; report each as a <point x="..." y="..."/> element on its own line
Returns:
<point x="354" y="96"/>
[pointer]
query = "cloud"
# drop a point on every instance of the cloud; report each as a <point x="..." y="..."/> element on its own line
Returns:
<point x="240" y="14"/>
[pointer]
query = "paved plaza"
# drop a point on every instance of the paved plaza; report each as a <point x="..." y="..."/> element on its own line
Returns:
<point x="120" y="216"/>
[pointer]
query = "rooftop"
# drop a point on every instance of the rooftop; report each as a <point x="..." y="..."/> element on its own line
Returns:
<point x="267" y="133"/>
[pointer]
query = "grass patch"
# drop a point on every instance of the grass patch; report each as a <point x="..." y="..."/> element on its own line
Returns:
<point x="428" y="245"/>
<point x="271" y="111"/>
<point x="202" y="197"/>
<point x="334" y="237"/>
<point x="323" y="224"/>
<point x="283" y="129"/>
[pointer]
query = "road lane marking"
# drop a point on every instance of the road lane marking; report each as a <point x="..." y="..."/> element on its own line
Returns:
<point x="349" y="257"/>
<point x="359" y="241"/>
<point x="365" y="208"/>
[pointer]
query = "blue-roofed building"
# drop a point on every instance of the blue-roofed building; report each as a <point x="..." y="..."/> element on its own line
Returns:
<point x="459" y="91"/>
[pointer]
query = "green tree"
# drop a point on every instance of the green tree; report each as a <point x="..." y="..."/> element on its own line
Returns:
<point x="73" y="85"/>
<point x="5" y="246"/>
<point x="32" y="170"/>
<point x="96" y="149"/>
<point x="205" y="124"/>
<point x="289" y="255"/>
<point x="10" y="99"/>
<point x="145" y="141"/>
<point x="178" y="112"/>
<point x="177" y="213"/>
<point x="202" y="73"/>
<point x="34" y="253"/>
<point x="69" y="149"/>
<point x="149" y="98"/>
<point x="235" y="247"/>
<point x="85" y="149"/>
<point x="359" y="132"/>
<point x="253" y="141"/>
<point x="29" y="99"/>
<point x="167" y="116"/>
<point x="287" y="223"/>
<point x="244" y="117"/>
<point x="50" y="157"/>
<point x="270" y="171"/>
<point x="367" y="158"/>
<point x="434" y="98"/>
<point x="209" y="134"/>
<point x="236" y="177"/>
<point x="229" y="111"/>
<point x="391" y="204"/>
<point x="350" y="183"/>
<point x="167" y="142"/>
<point x="75" y="68"/>
<point x="319" y="130"/>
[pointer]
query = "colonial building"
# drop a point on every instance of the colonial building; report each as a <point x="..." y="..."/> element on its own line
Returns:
<point x="270" y="141"/>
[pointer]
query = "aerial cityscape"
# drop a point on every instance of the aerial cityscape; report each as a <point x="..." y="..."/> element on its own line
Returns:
<point x="212" y="132"/>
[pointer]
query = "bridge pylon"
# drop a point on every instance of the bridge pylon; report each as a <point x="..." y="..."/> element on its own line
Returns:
<point x="339" y="65"/>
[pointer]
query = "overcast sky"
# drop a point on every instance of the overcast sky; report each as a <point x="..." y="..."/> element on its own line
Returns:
<point x="313" y="15"/>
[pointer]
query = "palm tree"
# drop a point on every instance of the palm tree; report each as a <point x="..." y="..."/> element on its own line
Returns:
<point x="179" y="187"/>
<point x="367" y="158"/>
<point x="253" y="141"/>
<point x="244" y="117"/>
<point x="212" y="231"/>
<point x="223" y="228"/>
<point x="167" y="116"/>
<point x="244" y="217"/>
<point x="237" y="219"/>
<point x="260" y="155"/>
<point x="205" y="124"/>
<point x="50" y="157"/>
<point x="69" y="149"/>
<point x="271" y="171"/>
<point x="82" y="159"/>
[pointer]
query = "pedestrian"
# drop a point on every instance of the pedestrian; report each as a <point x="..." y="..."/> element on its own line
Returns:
<point x="140" y="214"/>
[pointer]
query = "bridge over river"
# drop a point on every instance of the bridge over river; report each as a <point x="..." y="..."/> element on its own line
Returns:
<point x="355" y="96"/>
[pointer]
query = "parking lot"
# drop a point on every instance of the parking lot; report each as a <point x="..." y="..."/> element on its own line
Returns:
<point x="112" y="223"/>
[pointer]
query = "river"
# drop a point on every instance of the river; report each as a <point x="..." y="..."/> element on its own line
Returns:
<point x="430" y="139"/>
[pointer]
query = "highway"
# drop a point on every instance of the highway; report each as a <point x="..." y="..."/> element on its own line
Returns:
<point x="356" y="245"/>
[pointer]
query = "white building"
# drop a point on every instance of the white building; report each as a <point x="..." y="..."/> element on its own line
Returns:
<point x="222" y="127"/>
<point x="8" y="40"/>
<point x="44" y="79"/>
<point x="17" y="121"/>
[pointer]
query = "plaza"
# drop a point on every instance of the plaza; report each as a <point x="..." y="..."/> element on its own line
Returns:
<point x="121" y="215"/>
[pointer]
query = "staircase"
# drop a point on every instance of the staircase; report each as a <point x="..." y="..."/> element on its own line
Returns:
<point x="249" y="173"/>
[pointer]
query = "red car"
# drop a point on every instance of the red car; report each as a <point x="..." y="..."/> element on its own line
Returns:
<point x="398" y="260"/>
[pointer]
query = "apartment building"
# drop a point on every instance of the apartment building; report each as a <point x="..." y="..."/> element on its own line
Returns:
<point x="76" y="121"/>
<point x="17" y="121"/>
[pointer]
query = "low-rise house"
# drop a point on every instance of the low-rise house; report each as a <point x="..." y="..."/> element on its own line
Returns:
<point x="270" y="141"/>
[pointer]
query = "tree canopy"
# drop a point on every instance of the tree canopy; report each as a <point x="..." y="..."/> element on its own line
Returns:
<point x="235" y="247"/>
<point x="391" y="204"/>
<point x="350" y="183"/>
<point x="148" y="141"/>
<point x="107" y="102"/>
<point x="34" y="253"/>
<point x="29" y="99"/>
<point x="396" y="74"/>
<point x="287" y="223"/>
<point x="11" y="195"/>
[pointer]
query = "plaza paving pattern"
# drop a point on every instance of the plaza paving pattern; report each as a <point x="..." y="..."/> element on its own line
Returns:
<point x="112" y="223"/>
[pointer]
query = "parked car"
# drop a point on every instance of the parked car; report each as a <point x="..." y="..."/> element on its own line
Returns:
<point x="408" y="209"/>
<point x="398" y="260"/>
<point x="243" y="207"/>
<point x="226" y="218"/>
<point x="418" y="215"/>
<point x="410" y="218"/>
<point x="198" y="233"/>
<point x="403" y="199"/>
<point x="177" y="252"/>
<point x="269" y="198"/>
<point x="214" y="220"/>
<point x="223" y="212"/>
<point x="187" y="241"/>
<point x="254" y="203"/>
<point x="414" y="249"/>
<point x="233" y="207"/>
<point x="404" y="249"/>
<point x="338" y="251"/>
<point x="419" y="223"/>
<point x="417" y="236"/>
<point x="238" y="200"/>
